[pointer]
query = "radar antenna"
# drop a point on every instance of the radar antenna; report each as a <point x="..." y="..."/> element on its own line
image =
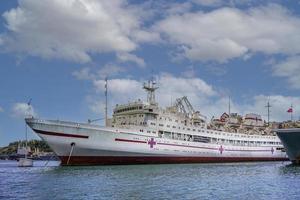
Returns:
<point x="150" y="87"/>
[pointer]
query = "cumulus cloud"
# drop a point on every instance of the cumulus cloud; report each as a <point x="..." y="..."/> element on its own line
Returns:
<point x="280" y="104"/>
<point x="233" y="3"/>
<point x="203" y="96"/>
<point x="119" y="86"/>
<point x="22" y="110"/>
<point x="127" y="57"/>
<point x="76" y="29"/>
<point x="108" y="70"/>
<point x="290" y="69"/>
<point x="73" y="29"/>
<point x="170" y="87"/>
<point x="227" y="33"/>
<point x="209" y="2"/>
<point x="83" y="74"/>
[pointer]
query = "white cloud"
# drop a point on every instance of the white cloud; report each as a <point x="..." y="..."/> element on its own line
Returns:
<point x="290" y="69"/>
<point x="226" y="33"/>
<point x="1" y="109"/>
<point x="108" y="70"/>
<point x="280" y="104"/>
<point x="177" y="8"/>
<point x="203" y="96"/>
<point x="127" y="57"/>
<point x="119" y="91"/>
<point x="232" y="3"/>
<point x="209" y="2"/>
<point x="124" y="90"/>
<point x="96" y="105"/>
<point x="1" y="40"/>
<point x="74" y="29"/>
<point x="84" y="74"/>
<point x="189" y="72"/>
<point x="22" y="110"/>
<point x="119" y="86"/>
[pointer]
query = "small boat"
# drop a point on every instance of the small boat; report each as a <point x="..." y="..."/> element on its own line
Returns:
<point x="25" y="162"/>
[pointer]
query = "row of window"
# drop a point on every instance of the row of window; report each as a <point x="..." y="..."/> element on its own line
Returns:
<point x="130" y="116"/>
<point x="204" y="139"/>
<point x="142" y="130"/>
<point x="128" y="109"/>
<point x="212" y="132"/>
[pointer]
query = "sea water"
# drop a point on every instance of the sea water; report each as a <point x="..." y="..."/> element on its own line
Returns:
<point x="257" y="180"/>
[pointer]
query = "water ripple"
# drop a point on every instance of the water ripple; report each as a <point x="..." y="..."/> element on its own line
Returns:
<point x="269" y="180"/>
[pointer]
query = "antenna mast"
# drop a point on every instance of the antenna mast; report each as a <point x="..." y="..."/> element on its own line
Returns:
<point x="150" y="88"/>
<point x="105" y="101"/>
<point x="268" y="106"/>
<point x="229" y="105"/>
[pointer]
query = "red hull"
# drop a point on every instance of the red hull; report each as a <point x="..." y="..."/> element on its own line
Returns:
<point x="114" y="160"/>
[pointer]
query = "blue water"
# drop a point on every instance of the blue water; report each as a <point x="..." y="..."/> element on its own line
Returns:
<point x="264" y="180"/>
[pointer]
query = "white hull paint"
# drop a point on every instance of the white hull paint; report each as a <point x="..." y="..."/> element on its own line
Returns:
<point x="25" y="162"/>
<point x="102" y="142"/>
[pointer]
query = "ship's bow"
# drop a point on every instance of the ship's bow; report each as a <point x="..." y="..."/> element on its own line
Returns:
<point x="290" y="139"/>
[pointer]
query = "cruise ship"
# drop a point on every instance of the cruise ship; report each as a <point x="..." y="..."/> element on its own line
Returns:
<point x="141" y="132"/>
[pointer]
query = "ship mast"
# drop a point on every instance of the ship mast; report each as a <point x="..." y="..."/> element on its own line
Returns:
<point x="268" y="106"/>
<point x="229" y="105"/>
<point x="26" y="134"/>
<point x="291" y="112"/>
<point x="105" y="101"/>
<point x="150" y="88"/>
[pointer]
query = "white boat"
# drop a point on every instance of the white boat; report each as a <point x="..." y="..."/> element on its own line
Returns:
<point x="142" y="132"/>
<point x="25" y="162"/>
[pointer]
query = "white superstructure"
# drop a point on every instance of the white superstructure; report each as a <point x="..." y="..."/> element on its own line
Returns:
<point x="142" y="132"/>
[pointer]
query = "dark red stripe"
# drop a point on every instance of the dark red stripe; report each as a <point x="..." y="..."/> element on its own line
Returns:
<point x="125" y="140"/>
<point x="179" y="145"/>
<point x="254" y="119"/>
<point x="60" y="134"/>
<point x="246" y="150"/>
<point x="126" y="160"/>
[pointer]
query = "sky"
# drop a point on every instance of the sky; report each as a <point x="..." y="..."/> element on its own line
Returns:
<point x="58" y="52"/>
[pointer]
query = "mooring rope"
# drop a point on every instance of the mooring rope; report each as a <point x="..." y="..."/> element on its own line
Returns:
<point x="72" y="147"/>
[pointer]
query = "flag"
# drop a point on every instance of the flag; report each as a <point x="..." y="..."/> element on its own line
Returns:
<point x="29" y="102"/>
<point x="290" y="110"/>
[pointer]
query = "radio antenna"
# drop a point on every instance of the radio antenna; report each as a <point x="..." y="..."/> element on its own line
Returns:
<point x="268" y="106"/>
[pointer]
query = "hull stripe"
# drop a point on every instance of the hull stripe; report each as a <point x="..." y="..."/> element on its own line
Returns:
<point x="60" y="134"/>
<point x="179" y="145"/>
<point x="125" y="140"/>
<point x="125" y="160"/>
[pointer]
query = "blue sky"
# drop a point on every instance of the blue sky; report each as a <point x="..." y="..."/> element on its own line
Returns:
<point x="58" y="53"/>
